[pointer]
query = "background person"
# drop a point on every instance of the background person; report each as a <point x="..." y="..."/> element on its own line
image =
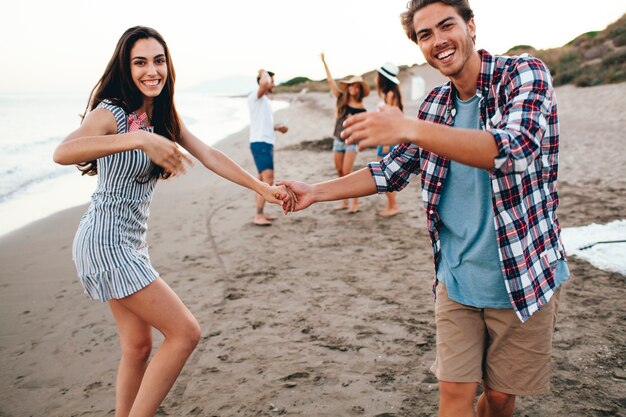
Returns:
<point x="388" y="85"/>
<point x="263" y="138"/>
<point x="349" y="95"/>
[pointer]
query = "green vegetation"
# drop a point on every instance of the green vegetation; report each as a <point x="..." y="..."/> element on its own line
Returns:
<point x="590" y="59"/>
<point x="582" y="38"/>
<point x="295" y="81"/>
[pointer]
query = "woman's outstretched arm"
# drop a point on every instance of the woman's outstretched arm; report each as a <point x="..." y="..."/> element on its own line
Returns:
<point x="329" y="79"/>
<point x="222" y="165"/>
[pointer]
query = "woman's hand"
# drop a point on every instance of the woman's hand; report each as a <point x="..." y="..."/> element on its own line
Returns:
<point x="163" y="152"/>
<point x="279" y="194"/>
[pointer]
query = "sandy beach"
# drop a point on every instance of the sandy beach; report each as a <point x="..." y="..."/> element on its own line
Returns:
<point x="324" y="313"/>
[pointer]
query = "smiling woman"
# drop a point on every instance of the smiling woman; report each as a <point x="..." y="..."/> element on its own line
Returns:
<point x="144" y="52"/>
<point x="148" y="66"/>
<point x="130" y="139"/>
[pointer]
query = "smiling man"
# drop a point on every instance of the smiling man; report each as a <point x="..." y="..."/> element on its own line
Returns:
<point x="485" y="145"/>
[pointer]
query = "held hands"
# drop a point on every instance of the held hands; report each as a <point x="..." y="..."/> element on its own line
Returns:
<point x="164" y="153"/>
<point x="279" y="194"/>
<point x="375" y="128"/>
<point x="303" y="195"/>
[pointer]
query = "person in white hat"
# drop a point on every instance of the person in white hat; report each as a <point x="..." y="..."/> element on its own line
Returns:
<point x="349" y="95"/>
<point x="388" y="86"/>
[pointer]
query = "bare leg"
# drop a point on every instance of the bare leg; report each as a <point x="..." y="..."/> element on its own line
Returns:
<point x="348" y="163"/>
<point x="456" y="399"/>
<point x="392" y="206"/>
<point x="136" y="345"/>
<point x="339" y="158"/>
<point x="493" y="403"/>
<point x="260" y="219"/>
<point x="158" y="306"/>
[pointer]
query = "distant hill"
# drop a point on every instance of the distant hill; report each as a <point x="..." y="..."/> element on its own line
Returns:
<point x="299" y="83"/>
<point x="592" y="58"/>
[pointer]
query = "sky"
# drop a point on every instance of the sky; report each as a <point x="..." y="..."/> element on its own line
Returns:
<point x="64" y="45"/>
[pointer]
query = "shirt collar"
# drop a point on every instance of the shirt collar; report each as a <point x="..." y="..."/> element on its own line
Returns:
<point x="485" y="75"/>
<point x="487" y="63"/>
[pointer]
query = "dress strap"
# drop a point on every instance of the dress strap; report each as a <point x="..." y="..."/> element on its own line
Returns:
<point x="121" y="118"/>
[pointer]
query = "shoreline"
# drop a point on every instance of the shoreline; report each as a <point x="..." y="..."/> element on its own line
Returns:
<point x="48" y="196"/>
<point x="324" y="313"/>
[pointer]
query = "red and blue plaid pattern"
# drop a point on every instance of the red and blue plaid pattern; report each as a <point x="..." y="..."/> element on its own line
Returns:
<point x="518" y="106"/>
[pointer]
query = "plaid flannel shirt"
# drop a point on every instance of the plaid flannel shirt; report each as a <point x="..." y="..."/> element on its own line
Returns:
<point x="518" y="107"/>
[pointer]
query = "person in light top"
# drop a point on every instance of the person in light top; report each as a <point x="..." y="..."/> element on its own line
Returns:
<point x="263" y="138"/>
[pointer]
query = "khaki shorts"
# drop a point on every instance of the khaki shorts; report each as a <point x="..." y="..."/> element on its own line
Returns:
<point x="492" y="346"/>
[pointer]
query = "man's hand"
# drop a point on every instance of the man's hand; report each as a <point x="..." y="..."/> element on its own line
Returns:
<point x="377" y="128"/>
<point x="263" y="75"/>
<point x="281" y="128"/>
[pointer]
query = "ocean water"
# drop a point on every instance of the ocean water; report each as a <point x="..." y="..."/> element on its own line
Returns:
<point x="32" y="186"/>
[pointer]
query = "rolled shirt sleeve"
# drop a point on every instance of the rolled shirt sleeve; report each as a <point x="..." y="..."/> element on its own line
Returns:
<point x="519" y="130"/>
<point x="394" y="171"/>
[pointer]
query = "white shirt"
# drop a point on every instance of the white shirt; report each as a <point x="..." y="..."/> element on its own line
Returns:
<point x="261" y="119"/>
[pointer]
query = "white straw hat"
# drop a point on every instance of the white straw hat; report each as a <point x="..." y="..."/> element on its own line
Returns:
<point x="390" y="72"/>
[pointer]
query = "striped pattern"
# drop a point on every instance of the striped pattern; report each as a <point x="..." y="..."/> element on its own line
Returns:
<point x="110" y="249"/>
<point x="518" y="106"/>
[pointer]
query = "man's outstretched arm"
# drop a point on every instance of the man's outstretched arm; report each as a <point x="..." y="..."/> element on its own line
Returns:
<point x="471" y="147"/>
<point x="357" y="184"/>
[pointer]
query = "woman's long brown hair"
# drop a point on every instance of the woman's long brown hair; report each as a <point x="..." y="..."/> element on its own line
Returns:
<point x="116" y="85"/>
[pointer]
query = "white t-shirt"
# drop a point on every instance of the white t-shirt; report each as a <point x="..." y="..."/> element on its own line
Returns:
<point x="261" y="119"/>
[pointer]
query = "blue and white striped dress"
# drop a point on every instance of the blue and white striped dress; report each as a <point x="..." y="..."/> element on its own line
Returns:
<point x="110" y="249"/>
